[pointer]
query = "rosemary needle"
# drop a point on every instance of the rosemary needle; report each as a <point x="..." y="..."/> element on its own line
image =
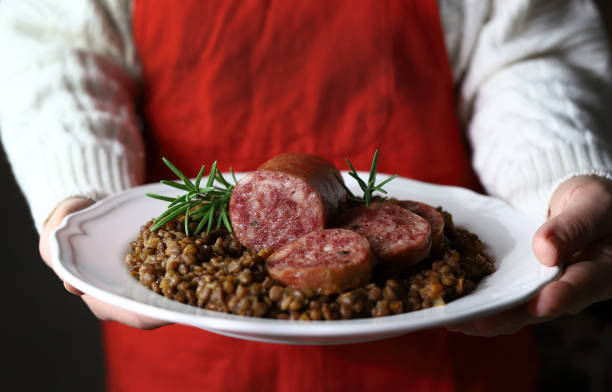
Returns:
<point x="368" y="188"/>
<point x="206" y="205"/>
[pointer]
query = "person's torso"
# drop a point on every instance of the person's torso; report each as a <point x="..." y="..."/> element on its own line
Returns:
<point x="241" y="81"/>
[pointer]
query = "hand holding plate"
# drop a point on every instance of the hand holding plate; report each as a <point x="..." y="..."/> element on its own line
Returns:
<point x="101" y="310"/>
<point x="578" y="237"/>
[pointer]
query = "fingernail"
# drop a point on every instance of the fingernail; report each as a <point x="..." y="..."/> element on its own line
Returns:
<point x="72" y="290"/>
<point x="546" y="251"/>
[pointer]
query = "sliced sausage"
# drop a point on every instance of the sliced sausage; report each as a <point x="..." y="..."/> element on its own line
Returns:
<point x="285" y="198"/>
<point x="398" y="237"/>
<point x="435" y="219"/>
<point x="327" y="261"/>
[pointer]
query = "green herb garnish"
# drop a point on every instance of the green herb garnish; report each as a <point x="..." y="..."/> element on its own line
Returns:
<point x="207" y="205"/>
<point x="367" y="188"/>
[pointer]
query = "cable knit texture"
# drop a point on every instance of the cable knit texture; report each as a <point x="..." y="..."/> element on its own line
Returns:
<point x="67" y="100"/>
<point x="533" y="99"/>
<point x="532" y="82"/>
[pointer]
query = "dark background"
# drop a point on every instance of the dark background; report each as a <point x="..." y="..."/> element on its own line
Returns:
<point x="52" y="342"/>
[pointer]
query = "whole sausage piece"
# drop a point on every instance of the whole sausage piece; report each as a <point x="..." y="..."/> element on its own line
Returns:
<point x="326" y="261"/>
<point x="398" y="237"/>
<point x="435" y="219"/>
<point x="285" y="198"/>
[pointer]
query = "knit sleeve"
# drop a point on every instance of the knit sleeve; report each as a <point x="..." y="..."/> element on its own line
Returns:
<point x="68" y="85"/>
<point x="533" y="99"/>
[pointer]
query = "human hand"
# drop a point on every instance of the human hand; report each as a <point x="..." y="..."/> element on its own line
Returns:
<point x="577" y="237"/>
<point x="101" y="310"/>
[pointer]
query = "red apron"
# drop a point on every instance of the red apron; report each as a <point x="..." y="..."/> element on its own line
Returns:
<point x="241" y="81"/>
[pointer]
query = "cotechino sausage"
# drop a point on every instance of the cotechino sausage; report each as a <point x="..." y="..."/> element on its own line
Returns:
<point x="285" y="198"/>
<point x="328" y="261"/>
<point x="435" y="219"/>
<point x="397" y="236"/>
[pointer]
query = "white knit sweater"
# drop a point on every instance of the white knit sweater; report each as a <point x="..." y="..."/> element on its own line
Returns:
<point x="532" y="80"/>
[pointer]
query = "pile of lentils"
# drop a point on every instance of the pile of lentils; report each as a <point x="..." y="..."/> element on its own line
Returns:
<point x="214" y="271"/>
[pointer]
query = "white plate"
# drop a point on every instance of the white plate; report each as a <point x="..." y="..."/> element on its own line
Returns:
<point x="90" y="246"/>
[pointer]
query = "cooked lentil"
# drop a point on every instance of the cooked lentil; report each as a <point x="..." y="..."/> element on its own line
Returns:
<point x="214" y="271"/>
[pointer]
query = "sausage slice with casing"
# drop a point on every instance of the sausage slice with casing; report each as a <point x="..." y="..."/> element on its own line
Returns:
<point x="285" y="198"/>
<point x="326" y="261"/>
<point x="435" y="219"/>
<point x="398" y="237"/>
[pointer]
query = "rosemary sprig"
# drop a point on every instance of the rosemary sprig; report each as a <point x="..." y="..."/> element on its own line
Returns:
<point x="206" y="205"/>
<point x="367" y="188"/>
